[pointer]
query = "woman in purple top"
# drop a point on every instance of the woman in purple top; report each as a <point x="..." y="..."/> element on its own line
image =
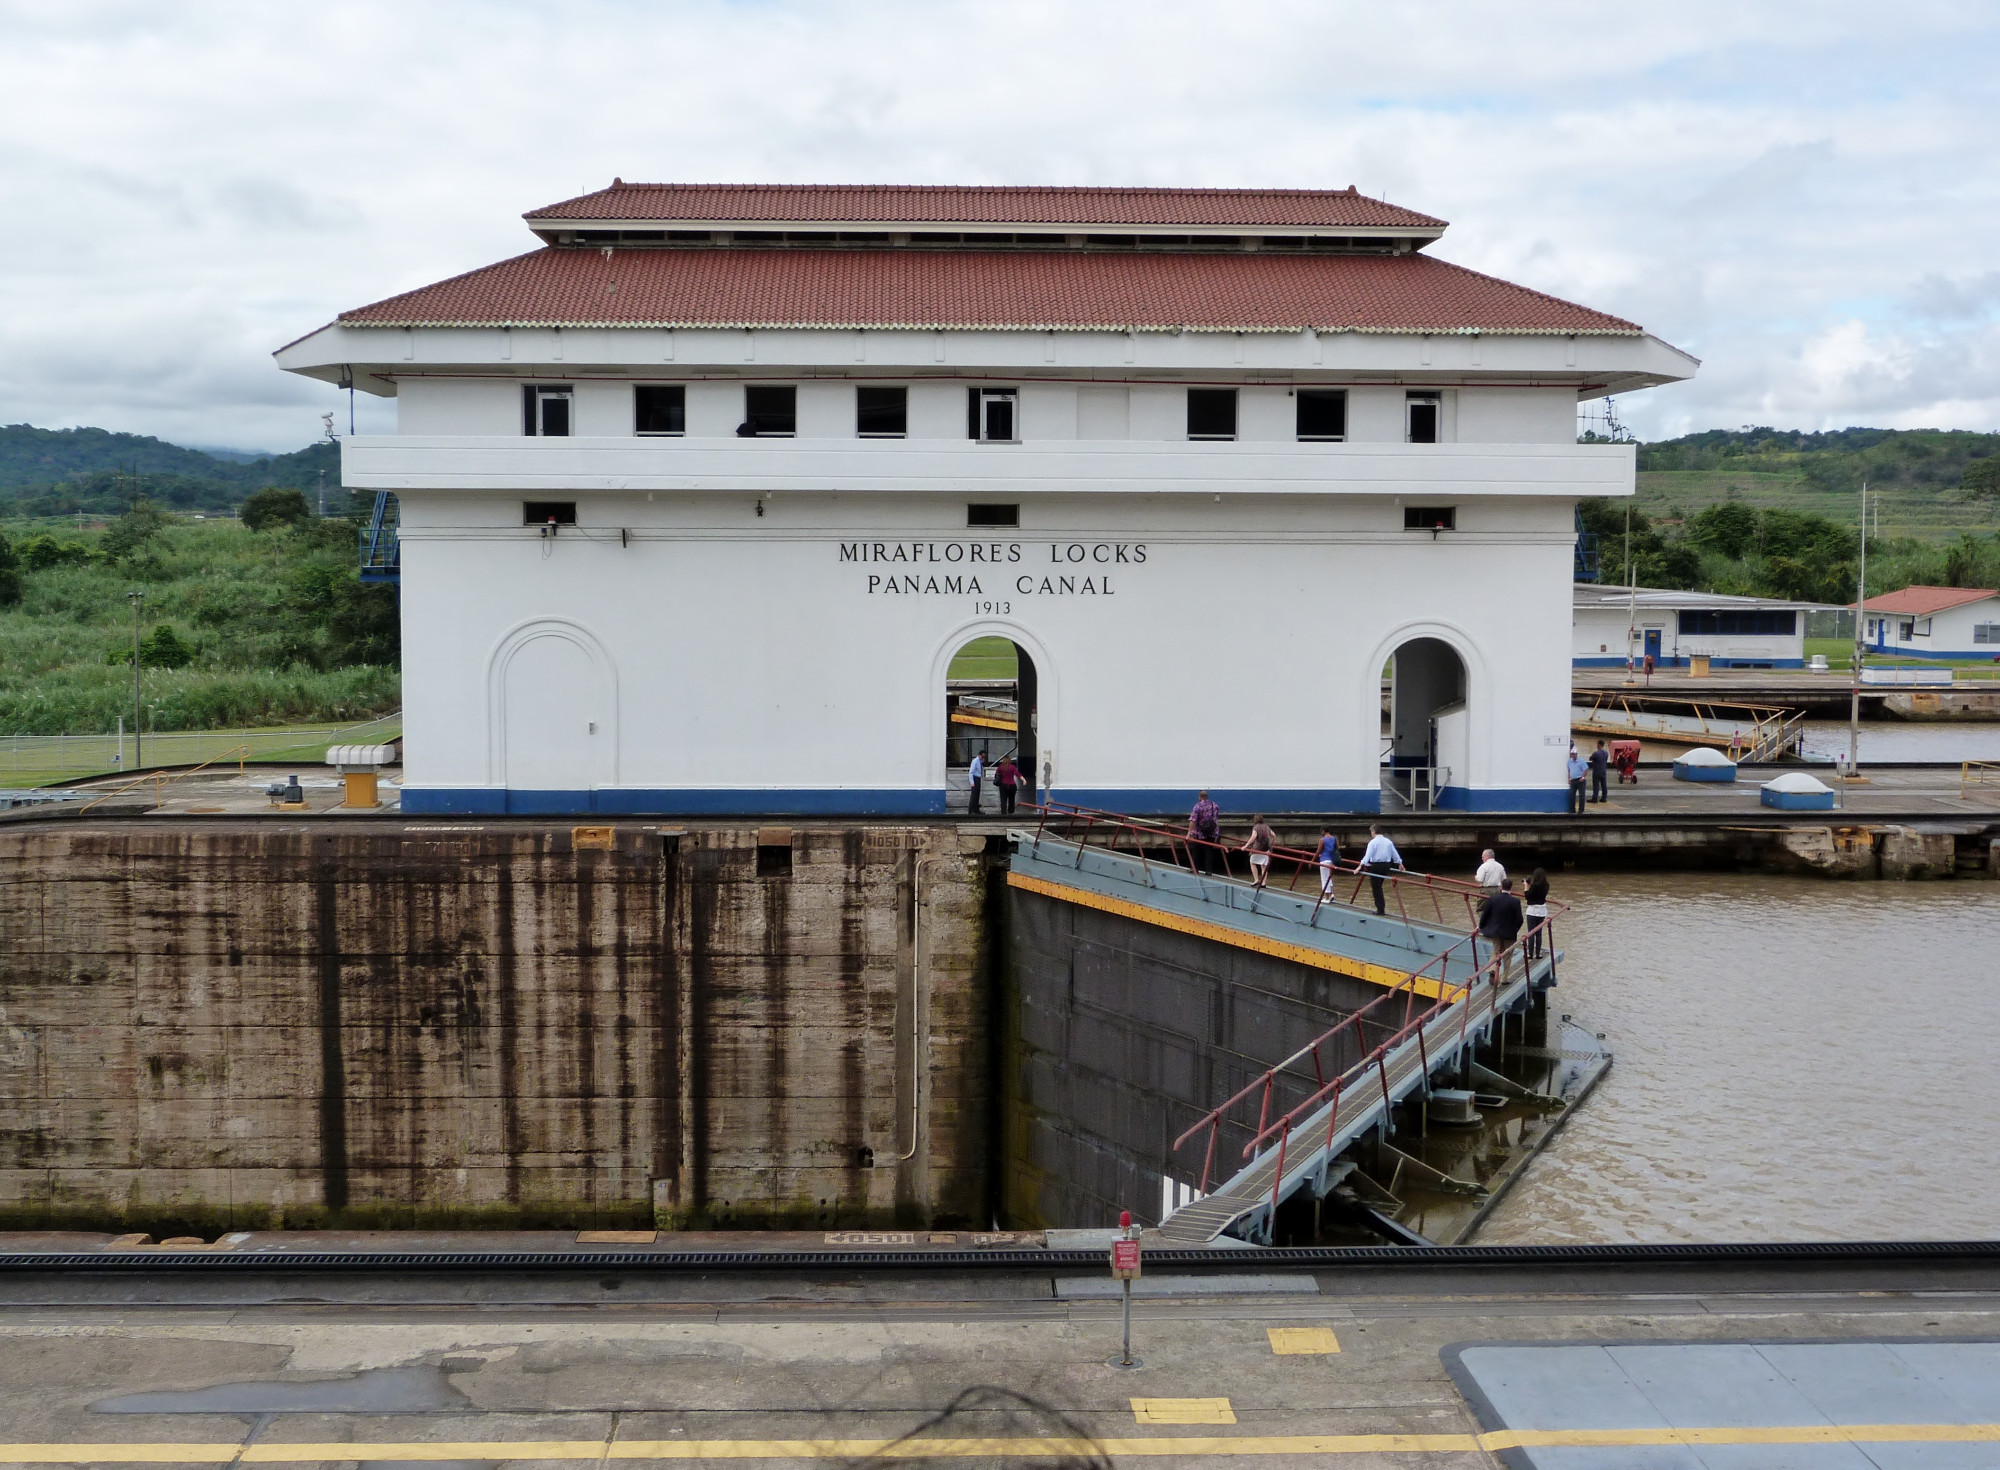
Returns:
<point x="1204" y="830"/>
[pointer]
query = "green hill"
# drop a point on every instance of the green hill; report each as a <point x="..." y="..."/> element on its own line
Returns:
<point x="1775" y="512"/>
<point x="52" y="472"/>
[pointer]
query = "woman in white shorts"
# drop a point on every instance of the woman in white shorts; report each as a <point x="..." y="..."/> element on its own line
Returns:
<point x="1262" y="840"/>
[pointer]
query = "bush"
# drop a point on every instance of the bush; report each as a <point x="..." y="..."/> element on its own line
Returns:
<point x="40" y="553"/>
<point x="163" y="649"/>
<point x="271" y="507"/>
<point x="134" y="529"/>
<point x="10" y="578"/>
<point x="1982" y="476"/>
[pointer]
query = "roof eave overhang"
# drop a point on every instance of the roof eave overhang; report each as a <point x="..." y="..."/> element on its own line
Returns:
<point x="546" y="225"/>
<point x="1224" y="329"/>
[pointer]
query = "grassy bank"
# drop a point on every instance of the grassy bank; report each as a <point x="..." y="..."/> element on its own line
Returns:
<point x="238" y="627"/>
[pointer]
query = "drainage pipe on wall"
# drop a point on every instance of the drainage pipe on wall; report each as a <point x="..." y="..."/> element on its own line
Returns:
<point x="916" y="1005"/>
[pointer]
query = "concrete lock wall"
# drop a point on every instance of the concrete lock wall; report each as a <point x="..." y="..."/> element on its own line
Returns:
<point x="236" y="1025"/>
<point x="1120" y="1036"/>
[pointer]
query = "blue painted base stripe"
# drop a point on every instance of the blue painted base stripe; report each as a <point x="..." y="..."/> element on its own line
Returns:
<point x="1235" y="801"/>
<point x="922" y="802"/>
<point x="1503" y="799"/>
<point x="1596" y="661"/>
<point x="630" y="802"/>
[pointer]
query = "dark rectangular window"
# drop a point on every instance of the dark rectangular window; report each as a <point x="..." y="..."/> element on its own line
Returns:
<point x="881" y="413"/>
<point x="993" y="515"/>
<point x="1322" y="413"/>
<point x="1430" y="517"/>
<point x="768" y="409"/>
<point x="660" y="409"/>
<point x="992" y="415"/>
<point x="1423" y="418"/>
<point x="541" y="512"/>
<point x="545" y="410"/>
<point x="1211" y="413"/>
<point x="1742" y="622"/>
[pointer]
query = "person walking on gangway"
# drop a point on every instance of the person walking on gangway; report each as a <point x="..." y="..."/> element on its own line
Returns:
<point x="1499" y="924"/>
<point x="1006" y="776"/>
<point x="974" y="774"/>
<point x="1262" y="839"/>
<point x="1535" y="906"/>
<point x="1329" y="860"/>
<point x="1379" y="857"/>
<point x="1204" y="831"/>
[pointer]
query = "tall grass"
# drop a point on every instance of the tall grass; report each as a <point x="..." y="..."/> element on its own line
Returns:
<point x="241" y="599"/>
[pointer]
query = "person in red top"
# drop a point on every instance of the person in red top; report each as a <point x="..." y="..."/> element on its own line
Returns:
<point x="1006" y="776"/>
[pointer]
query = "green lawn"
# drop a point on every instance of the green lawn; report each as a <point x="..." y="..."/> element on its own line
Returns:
<point x="985" y="658"/>
<point x="1839" y="650"/>
<point x="40" y="760"/>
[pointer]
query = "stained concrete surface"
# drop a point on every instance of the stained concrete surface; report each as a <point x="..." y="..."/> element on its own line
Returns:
<point x="813" y="1378"/>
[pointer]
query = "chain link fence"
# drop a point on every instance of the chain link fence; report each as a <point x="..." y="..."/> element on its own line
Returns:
<point x="37" y="760"/>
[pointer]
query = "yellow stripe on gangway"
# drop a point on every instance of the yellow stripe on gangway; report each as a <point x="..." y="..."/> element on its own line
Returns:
<point x="1222" y="1446"/>
<point x="1384" y="975"/>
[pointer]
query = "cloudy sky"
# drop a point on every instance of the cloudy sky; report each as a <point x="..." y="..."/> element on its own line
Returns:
<point x="1805" y="196"/>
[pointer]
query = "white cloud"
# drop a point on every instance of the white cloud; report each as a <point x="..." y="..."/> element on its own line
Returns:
<point x="1803" y="198"/>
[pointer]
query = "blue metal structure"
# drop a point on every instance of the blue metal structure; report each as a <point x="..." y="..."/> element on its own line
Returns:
<point x="1586" y="568"/>
<point x="381" y="548"/>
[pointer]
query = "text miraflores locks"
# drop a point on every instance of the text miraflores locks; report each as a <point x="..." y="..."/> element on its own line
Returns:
<point x="986" y="568"/>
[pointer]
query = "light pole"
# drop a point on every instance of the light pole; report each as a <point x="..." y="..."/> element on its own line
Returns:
<point x="1860" y="612"/>
<point x="138" y="601"/>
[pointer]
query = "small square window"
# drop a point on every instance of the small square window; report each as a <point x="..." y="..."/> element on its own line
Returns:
<point x="1323" y="413"/>
<point x="659" y="409"/>
<point x="1211" y="413"/>
<point x="882" y="413"/>
<point x="1430" y="517"/>
<point x="769" y="410"/>
<point x="545" y="512"/>
<point x="992" y="415"/>
<point x="993" y="515"/>
<point x="1423" y="410"/>
<point x="545" y="410"/>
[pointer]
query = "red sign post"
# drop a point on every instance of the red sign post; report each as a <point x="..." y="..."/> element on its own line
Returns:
<point x="1125" y="1270"/>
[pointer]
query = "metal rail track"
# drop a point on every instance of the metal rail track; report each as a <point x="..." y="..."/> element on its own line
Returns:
<point x="1345" y="1258"/>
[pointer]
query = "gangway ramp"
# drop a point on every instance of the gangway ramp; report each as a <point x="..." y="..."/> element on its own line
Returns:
<point x="1432" y="994"/>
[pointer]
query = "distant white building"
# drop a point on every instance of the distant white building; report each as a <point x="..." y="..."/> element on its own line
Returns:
<point x="700" y="498"/>
<point x="1935" y="622"/>
<point x="1734" y="632"/>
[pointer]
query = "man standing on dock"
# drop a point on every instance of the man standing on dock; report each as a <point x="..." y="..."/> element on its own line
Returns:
<point x="1492" y="873"/>
<point x="1578" y="769"/>
<point x="1600" y="767"/>
<point x="975" y="773"/>
<point x="1379" y="857"/>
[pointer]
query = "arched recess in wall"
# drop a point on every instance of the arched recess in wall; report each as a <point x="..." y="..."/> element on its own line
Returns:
<point x="1033" y="695"/>
<point x="551" y="709"/>
<point x="1439" y="722"/>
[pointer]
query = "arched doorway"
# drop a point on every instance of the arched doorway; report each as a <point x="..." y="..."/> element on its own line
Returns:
<point x="553" y="710"/>
<point x="1426" y="737"/>
<point x="990" y="693"/>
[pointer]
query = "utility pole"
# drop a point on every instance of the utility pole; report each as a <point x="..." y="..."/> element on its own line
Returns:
<point x="1860" y="614"/>
<point x="138" y="601"/>
<point x="1632" y="606"/>
<point x="322" y="494"/>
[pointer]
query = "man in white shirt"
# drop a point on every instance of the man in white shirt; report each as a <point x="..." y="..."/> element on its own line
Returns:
<point x="1578" y="768"/>
<point x="1491" y="874"/>
<point x="1379" y="857"/>
<point x="975" y="775"/>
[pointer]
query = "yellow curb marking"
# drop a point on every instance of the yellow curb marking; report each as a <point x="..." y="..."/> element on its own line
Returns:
<point x="1183" y="1411"/>
<point x="1287" y="1340"/>
<point x="922" y="1449"/>
<point x="1319" y="959"/>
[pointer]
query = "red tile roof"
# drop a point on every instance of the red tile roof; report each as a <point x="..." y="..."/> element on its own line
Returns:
<point x="1922" y="601"/>
<point x="1018" y="290"/>
<point x="865" y="204"/>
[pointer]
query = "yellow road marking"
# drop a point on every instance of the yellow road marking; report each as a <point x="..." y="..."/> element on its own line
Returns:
<point x="1183" y="1411"/>
<point x="1383" y="975"/>
<point x="273" y="1453"/>
<point x="1285" y="1340"/>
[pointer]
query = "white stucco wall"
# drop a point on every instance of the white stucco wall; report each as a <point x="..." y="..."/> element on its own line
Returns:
<point x="1951" y="632"/>
<point x="735" y="659"/>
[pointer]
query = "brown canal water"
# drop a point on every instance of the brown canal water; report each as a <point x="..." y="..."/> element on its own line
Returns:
<point x="1796" y="1059"/>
